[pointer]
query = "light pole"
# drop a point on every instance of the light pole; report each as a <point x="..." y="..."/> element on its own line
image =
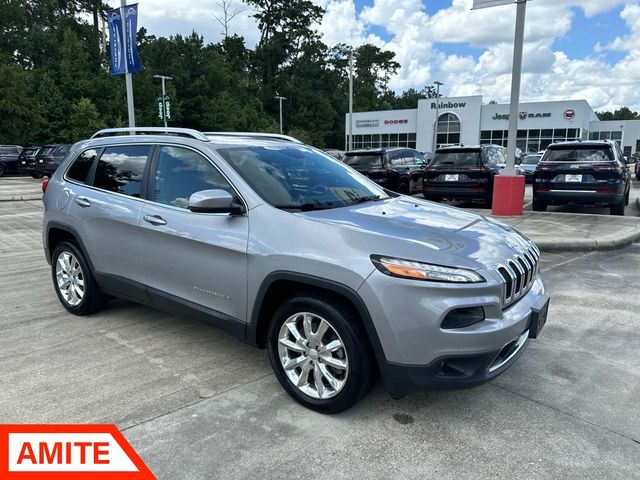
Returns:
<point x="163" y="78"/>
<point x="280" y="98"/>
<point x="350" y="143"/>
<point x="437" y="83"/>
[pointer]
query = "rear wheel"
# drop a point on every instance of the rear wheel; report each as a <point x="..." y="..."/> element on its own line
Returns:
<point x="489" y="201"/>
<point x="539" y="206"/>
<point x="617" y="208"/>
<point x="403" y="188"/>
<point x="36" y="175"/>
<point x="74" y="282"/>
<point x="319" y="352"/>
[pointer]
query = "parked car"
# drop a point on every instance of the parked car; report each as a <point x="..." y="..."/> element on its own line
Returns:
<point x="398" y="169"/>
<point x="528" y="166"/>
<point x="337" y="154"/>
<point x="463" y="173"/>
<point x="9" y="158"/>
<point x="582" y="172"/>
<point x="291" y="250"/>
<point x="49" y="158"/>
<point x="27" y="160"/>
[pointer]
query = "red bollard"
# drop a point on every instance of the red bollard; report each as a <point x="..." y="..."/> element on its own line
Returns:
<point x="508" y="195"/>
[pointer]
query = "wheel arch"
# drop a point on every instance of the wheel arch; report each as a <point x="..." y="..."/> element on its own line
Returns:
<point x="278" y="286"/>
<point x="59" y="232"/>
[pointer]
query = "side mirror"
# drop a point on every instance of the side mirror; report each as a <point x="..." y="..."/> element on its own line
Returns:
<point x="214" y="201"/>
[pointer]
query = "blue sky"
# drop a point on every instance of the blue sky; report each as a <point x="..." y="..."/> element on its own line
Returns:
<point x="574" y="49"/>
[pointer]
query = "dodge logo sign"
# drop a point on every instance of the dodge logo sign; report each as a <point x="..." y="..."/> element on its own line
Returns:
<point x="569" y="113"/>
<point x="523" y="115"/>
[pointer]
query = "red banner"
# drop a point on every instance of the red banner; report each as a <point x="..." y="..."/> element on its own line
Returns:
<point x="42" y="452"/>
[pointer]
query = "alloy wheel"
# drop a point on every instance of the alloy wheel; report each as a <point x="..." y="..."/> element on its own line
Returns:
<point x="70" y="279"/>
<point x="313" y="355"/>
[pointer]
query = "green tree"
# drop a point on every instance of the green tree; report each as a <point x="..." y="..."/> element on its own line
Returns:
<point x="83" y="122"/>
<point x="623" y="113"/>
<point x="18" y="119"/>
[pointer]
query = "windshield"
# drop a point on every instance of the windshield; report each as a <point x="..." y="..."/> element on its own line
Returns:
<point x="531" y="159"/>
<point x="460" y="157"/>
<point x="46" y="151"/>
<point x="300" y="178"/>
<point x="364" y="160"/>
<point x="580" y="154"/>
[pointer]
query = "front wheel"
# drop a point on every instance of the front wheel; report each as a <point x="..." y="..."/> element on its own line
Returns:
<point x="73" y="280"/>
<point x="320" y="354"/>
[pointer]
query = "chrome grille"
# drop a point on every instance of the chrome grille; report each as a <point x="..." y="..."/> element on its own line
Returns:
<point x="518" y="274"/>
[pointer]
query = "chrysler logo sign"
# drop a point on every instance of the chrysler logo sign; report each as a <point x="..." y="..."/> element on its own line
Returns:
<point x="569" y="113"/>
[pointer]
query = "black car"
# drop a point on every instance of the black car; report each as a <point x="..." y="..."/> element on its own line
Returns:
<point x="27" y="161"/>
<point x="337" y="154"/>
<point x="49" y="158"/>
<point x="398" y="169"/>
<point x="585" y="173"/>
<point x="9" y="158"/>
<point x="463" y="173"/>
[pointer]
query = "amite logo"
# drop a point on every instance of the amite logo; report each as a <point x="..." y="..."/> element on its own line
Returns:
<point x="68" y="451"/>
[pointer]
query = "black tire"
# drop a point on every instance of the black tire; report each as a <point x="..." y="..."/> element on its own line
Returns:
<point x="362" y="370"/>
<point x="1" y="170"/>
<point x="403" y="188"/>
<point x="489" y="201"/>
<point x="93" y="299"/>
<point x="626" y="197"/>
<point x="539" y="206"/>
<point x="617" y="208"/>
<point x="36" y="175"/>
<point x="431" y="198"/>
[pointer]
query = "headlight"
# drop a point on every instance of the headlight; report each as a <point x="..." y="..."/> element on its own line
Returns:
<point x="398" y="267"/>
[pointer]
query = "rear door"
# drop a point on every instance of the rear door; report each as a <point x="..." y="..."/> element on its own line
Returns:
<point x="105" y="205"/>
<point x="370" y="164"/>
<point x="457" y="168"/>
<point x="417" y="165"/>
<point x="586" y="168"/>
<point x="198" y="259"/>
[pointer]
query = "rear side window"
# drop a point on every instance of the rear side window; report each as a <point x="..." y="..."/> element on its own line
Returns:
<point x="120" y="169"/>
<point x="62" y="150"/>
<point x="181" y="173"/>
<point x="580" y="154"/>
<point x="81" y="166"/>
<point x="364" y="160"/>
<point x="9" y="150"/>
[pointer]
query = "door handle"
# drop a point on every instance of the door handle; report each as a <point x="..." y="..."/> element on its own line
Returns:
<point x="82" y="202"/>
<point x="154" y="219"/>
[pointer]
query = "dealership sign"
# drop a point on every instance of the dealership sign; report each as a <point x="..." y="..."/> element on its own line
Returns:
<point x="68" y="452"/>
<point x="523" y="115"/>
<point x="490" y="3"/>
<point x="569" y="113"/>
<point x="443" y="105"/>
<point x="396" y="122"/>
<point x="367" y="123"/>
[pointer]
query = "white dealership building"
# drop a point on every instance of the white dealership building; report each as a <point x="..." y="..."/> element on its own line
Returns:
<point x="470" y="121"/>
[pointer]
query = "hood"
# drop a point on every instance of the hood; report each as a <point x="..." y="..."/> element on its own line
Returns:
<point x="416" y="229"/>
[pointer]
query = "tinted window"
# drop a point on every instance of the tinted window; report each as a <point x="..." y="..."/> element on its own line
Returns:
<point x="120" y="169"/>
<point x="399" y="159"/>
<point x="456" y="157"/>
<point x="364" y="160"/>
<point x="82" y="165"/>
<point x="182" y="172"/>
<point x="531" y="160"/>
<point x="300" y="177"/>
<point x="46" y="151"/>
<point x="62" y="150"/>
<point x="580" y="154"/>
<point x="9" y="151"/>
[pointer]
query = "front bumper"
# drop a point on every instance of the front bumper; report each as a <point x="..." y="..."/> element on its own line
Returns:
<point x="419" y="354"/>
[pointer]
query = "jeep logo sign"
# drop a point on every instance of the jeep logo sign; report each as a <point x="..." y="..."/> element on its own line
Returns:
<point x="443" y="105"/>
<point x="522" y="115"/>
<point x="569" y="113"/>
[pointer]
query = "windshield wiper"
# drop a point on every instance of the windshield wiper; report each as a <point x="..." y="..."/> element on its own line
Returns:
<point x="365" y="198"/>
<point x="303" y="207"/>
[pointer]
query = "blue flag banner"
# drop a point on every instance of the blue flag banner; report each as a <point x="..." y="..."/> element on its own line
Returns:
<point x="116" y="39"/>
<point x="131" y="21"/>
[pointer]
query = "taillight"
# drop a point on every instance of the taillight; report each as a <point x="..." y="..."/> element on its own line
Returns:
<point x="45" y="184"/>
<point x="604" y="166"/>
<point x="604" y="190"/>
<point x="543" y="189"/>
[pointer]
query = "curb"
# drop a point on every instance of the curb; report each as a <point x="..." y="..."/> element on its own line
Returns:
<point x="588" y="244"/>
<point x="20" y="198"/>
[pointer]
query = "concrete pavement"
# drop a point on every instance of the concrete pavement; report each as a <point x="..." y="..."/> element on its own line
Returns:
<point x="15" y="188"/>
<point x="198" y="404"/>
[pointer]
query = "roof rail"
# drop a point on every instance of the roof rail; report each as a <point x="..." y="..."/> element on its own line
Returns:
<point x="180" y="132"/>
<point x="257" y="135"/>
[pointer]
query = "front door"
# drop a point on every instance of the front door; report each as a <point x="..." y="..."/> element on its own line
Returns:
<point x="196" y="260"/>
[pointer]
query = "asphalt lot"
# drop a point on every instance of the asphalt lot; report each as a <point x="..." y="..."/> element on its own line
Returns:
<point x="196" y="403"/>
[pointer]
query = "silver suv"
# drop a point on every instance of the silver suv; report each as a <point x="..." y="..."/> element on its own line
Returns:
<point x="292" y="250"/>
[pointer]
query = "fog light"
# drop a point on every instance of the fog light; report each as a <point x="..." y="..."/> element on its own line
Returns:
<point x="463" y="317"/>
